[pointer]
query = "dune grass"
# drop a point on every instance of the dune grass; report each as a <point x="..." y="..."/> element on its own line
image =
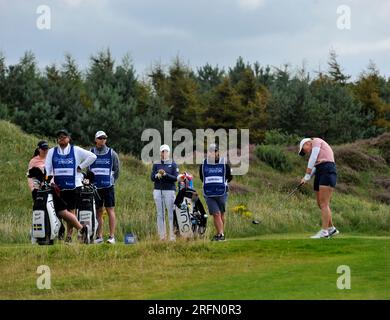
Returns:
<point x="263" y="191"/>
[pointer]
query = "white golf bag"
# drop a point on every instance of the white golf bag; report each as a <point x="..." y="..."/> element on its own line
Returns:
<point x="182" y="218"/>
<point x="86" y="208"/>
<point x="45" y="223"/>
<point x="190" y="218"/>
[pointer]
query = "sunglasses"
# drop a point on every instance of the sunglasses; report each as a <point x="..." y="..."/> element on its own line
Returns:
<point x="62" y="137"/>
<point x="102" y="138"/>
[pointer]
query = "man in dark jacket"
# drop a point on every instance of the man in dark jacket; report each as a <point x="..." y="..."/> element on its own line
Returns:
<point x="164" y="175"/>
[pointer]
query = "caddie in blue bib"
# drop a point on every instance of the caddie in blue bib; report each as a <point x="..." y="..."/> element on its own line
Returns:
<point x="64" y="167"/>
<point x="214" y="180"/>
<point x="102" y="168"/>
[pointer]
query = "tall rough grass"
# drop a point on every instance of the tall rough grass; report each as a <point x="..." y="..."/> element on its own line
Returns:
<point x="263" y="191"/>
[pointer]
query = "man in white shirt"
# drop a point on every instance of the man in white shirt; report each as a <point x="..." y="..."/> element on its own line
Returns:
<point x="65" y="162"/>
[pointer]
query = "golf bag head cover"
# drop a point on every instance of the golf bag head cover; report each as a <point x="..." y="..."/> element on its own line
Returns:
<point x="36" y="173"/>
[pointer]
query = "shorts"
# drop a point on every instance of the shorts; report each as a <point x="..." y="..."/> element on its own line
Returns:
<point x="70" y="197"/>
<point x="216" y="204"/>
<point x="325" y="175"/>
<point x="107" y="197"/>
<point x="59" y="204"/>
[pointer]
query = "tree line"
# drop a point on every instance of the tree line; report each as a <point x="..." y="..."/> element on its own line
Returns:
<point x="111" y="96"/>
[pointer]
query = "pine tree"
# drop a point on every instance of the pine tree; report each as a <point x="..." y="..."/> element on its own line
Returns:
<point x="224" y="107"/>
<point x="3" y="71"/>
<point x="335" y="71"/>
<point x="369" y="89"/>
<point x="237" y="71"/>
<point x="209" y="77"/>
<point x="126" y="79"/>
<point x="22" y="87"/>
<point x="182" y="96"/>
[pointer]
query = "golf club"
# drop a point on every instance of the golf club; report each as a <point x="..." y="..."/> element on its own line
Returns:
<point x="294" y="190"/>
<point x="290" y="194"/>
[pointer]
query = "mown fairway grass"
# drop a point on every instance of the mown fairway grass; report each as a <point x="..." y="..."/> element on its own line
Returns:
<point x="265" y="267"/>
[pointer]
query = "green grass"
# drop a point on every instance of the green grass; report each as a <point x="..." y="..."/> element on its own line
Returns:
<point x="263" y="191"/>
<point x="273" y="260"/>
<point x="267" y="267"/>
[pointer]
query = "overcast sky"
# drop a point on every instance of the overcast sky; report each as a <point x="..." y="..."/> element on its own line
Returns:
<point x="272" y="32"/>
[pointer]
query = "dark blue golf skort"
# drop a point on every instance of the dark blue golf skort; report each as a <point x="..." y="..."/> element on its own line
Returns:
<point x="325" y="175"/>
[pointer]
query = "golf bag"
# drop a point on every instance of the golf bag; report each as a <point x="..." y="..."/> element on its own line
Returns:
<point x="45" y="223"/>
<point x="189" y="218"/>
<point x="86" y="207"/>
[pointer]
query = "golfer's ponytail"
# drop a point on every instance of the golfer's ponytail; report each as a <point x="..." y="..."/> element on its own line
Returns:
<point x="36" y="152"/>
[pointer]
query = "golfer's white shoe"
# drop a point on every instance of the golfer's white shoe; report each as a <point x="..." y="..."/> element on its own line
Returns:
<point x="111" y="240"/>
<point x="333" y="231"/>
<point x="98" y="241"/>
<point x="321" y="234"/>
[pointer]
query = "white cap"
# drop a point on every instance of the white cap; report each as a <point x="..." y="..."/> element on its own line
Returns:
<point x="165" y="147"/>
<point x="213" y="147"/>
<point x="301" y="152"/>
<point x="100" y="134"/>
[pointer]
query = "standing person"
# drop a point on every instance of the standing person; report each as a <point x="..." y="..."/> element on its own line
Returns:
<point x="322" y="165"/>
<point x="106" y="171"/>
<point x="38" y="161"/>
<point x="65" y="163"/>
<point x="215" y="175"/>
<point x="164" y="175"/>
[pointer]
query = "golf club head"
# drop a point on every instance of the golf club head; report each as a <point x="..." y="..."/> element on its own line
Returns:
<point x="255" y="221"/>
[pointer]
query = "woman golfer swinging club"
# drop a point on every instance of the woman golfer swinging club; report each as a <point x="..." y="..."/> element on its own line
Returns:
<point x="322" y="165"/>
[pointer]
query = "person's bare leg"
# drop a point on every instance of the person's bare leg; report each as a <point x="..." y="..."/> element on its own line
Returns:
<point x="330" y="222"/>
<point x="111" y="220"/>
<point x="70" y="219"/>
<point x="223" y="220"/>
<point x="218" y="222"/>
<point x="99" y="216"/>
<point x="325" y="195"/>
<point x="70" y="225"/>
<point x="318" y="199"/>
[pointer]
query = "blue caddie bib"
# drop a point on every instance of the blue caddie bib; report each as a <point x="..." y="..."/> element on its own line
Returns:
<point x="214" y="181"/>
<point x="64" y="167"/>
<point x="102" y="168"/>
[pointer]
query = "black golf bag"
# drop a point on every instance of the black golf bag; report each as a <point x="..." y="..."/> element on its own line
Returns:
<point x="190" y="217"/>
<point x="86" y="207"/>
<point x="45" y="223"/>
